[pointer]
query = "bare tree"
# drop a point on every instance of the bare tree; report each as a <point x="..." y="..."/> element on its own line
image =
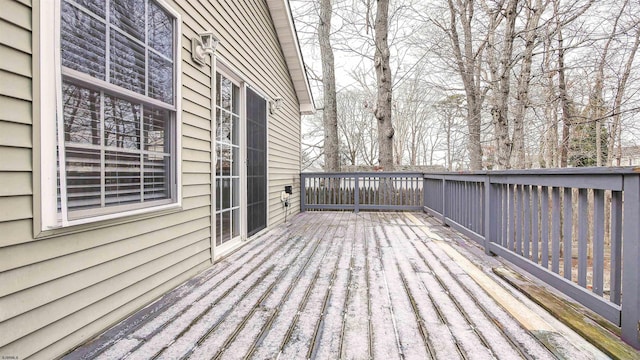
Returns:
<point x="384" y="85"/>
<point x="329" y="114"/>
<point x="616" y="127"/>
<point x="534" y="10"/>
<point x="468" y="64"/>
<point x="500" y="76"/>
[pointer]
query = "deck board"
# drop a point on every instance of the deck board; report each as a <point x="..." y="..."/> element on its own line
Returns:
<point x="327" y="285"/>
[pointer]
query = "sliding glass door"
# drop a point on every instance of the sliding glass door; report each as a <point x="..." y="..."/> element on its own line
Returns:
<point x="241" y="165"/>
<point x="256" y="162"/>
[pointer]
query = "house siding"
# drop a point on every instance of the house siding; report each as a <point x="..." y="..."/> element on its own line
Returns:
<point x="60" y="288"/>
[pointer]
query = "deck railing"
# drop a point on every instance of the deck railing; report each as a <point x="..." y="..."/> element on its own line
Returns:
<point x="576" y="229"/>
<point x="361" y="191"/>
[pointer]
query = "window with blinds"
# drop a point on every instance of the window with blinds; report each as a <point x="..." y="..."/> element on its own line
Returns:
<point x="117" y="138"/>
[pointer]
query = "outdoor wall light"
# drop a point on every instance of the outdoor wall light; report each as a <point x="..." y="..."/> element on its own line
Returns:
<point x="201" y="45"/>
<point x="275" y="105"/>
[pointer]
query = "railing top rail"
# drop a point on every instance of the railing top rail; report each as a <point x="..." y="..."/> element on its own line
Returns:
<point x="627" y="170"/>
<point x="363" y="173"/>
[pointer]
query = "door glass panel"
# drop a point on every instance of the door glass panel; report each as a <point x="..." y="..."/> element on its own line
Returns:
<point x="228" y="160"/>
<point x="256" y="129"/>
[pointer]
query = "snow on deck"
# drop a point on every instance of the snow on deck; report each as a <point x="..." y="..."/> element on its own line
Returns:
<point x="328" y="285"/>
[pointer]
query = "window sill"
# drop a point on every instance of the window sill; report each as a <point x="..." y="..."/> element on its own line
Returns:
<point x="105" y="221"/>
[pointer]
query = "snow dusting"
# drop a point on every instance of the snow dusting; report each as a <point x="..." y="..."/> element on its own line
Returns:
<point x="336" y="285"/>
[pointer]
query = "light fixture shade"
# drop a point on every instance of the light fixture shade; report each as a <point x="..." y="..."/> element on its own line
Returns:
<point x="201" y="45"/>
<point x="275" y="104"/>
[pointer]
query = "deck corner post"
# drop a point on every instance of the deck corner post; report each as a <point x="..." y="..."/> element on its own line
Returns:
<point x="489" y="222"/>
<point x="356" y="196"/>
<point x="630" y="316"/>
<point x="303" y="192"/>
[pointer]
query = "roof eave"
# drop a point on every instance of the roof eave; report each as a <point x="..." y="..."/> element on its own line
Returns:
<point x="286" y="31"/>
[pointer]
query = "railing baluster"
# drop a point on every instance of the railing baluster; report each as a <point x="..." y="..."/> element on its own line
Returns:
<point x="616" y="246"/>
<point x="535" y="223"/>
<point x="526" y="234"/>
<point x="444" y="199"/>
<point x="517" y="198"/>
<point x="555" y="230"/>
<point x="583" y="225"/>
<point x="491" y="214"/>
<point x="545" y="227"/>
<point x="512" y="217"/>
<point x="356" y="196"/>
<point x="598" y="241"/>
<point x="504" y="190"/>
<point x="567" y="237"/>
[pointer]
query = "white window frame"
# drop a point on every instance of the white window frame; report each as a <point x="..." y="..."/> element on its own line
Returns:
<point x="50" y="96"/>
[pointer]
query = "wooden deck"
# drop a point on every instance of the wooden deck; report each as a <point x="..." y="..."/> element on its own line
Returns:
<point x="331" y="285"/>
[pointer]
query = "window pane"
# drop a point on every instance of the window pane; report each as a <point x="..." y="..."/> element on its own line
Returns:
<point x="156" y="177"/>
<point x="225" y="94"/>
<point x="128" y="15"/>
<point x="236" y="192"/>
<point x="160" y="78"/>
<point x="160" y="30"/>
<point x="225" y="232"/>
<point x="82" y="42"/>
<point x="122" y="178"/>
<point x="235" y="161"/>
<point x="235" y="220"/>
<point x="226" y="193"/>
<point x="235" y="127"/>
<point x="121" y="123"/>
<point x="236" y="100"/>
<point x="224" y="160"/>
<point x="218" y="193"/>
<point x="95" y="6"/>
<point x="127" y="63"/>
<point x="83" y="178"/>
<point x="156" y="129"/>
<point x="223" y="127"/>
<point x="81" y="108"/>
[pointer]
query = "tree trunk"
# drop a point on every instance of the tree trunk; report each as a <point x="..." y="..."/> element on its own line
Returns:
<point x="564" y="100"/>
<point x="329" y="115"/>
<point x="383" y="79"/>
<point x="534" y="12"/>
<point x="501" y="83"/>
<point x="469" y="71"/>
<point x="616" y="127"/>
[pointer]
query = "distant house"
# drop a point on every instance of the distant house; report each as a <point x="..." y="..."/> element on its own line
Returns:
<point x="131" y="158"/>
<point x="630" y="156"/>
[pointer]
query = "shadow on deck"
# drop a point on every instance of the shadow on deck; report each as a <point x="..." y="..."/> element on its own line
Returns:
<point x="335" y="285"/>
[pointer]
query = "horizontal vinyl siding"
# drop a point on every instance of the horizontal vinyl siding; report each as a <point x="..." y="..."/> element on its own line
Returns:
<point x="16" y="202"/>
<point x="263" y="62"/>
<point x="60" y="290"/>
<point x="249" y="44"/>
<point x="110" y="310"/>
<point x="15" y="110"/>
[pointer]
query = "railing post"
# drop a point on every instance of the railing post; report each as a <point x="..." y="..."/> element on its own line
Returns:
<point x="630" y="254"/>
<point x="424" y="192"/>
<point x="444" y="200"/>
<point x="356" y="196"/>
<point x="303" y="193"/>
<point x="489" y="221"/>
